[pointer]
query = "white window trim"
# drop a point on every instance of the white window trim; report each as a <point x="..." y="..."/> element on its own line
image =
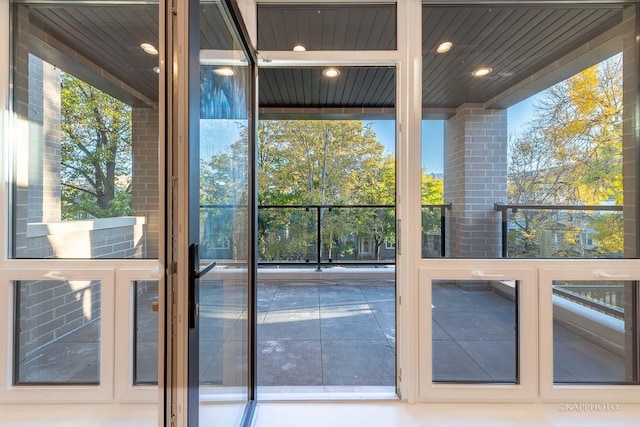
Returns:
<point x="578" y="392"/>
<point x="115" y="308"/>
<point x="536" y="350"/>
<point x="58" y="393"/>
<point x="527" y="389"/>
<point x="125" y="390"/>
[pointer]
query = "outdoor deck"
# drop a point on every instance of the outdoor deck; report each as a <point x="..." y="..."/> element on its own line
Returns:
<point x="332" y="334"/>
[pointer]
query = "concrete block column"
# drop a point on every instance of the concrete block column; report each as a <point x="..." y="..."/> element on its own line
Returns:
<point x="36" y="98"/>
<point x="630" y="158"/>
<point x="145" y="191"/>
<point x="475" y="177"/>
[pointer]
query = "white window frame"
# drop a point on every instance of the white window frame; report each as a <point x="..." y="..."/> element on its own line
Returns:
<point x="389" y="244"/>
<point x="125" y="389"/>
<point x="58" y="393"/>
<point x="115" y="275"/>
<point x="527" y="389"/>
<point x="594" y="271"/>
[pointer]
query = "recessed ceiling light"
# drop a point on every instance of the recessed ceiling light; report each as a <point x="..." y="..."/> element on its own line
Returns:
<point x="156" y="70"/>
<point x="331" y="72"/>
<point x="444" y="47"/>
<point x="481" y="72"/>
<point x="224" y="71"/>
<point x="299" y="48"/>
<point x="149" y="48"/>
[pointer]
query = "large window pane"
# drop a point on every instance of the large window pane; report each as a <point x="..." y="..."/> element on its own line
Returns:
<point x="595" y="332"/>
<point x="57" y="332"/>
<point x="86" y="147"/>
<point x="534" y="137"/>
<point x="474" y="333"/>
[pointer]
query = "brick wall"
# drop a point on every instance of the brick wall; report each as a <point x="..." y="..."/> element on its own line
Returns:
<point x="475" y="167"/>
<point x="145" y="181"/>
<point x="21" y="110"/>
<point x="630" y="156"/>
<point x="49" y="310"/>
<point x="631" y="86"/>
<point x="44" y="141"/>
<point x="119" y="237"/>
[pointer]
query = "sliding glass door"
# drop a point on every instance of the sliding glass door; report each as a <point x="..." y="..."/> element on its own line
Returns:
<point x="220" y="219"/>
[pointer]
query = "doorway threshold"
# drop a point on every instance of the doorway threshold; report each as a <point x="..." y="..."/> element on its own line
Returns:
<point x="325" y="393"/>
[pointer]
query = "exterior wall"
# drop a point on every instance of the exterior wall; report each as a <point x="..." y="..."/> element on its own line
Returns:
<point x="49" y="310"/>
<point x="44" y="141"/>
<point x="97" y="238"/>
<point x="21" y="110"/>
<point x="630" y="156"/>
<point x="475" y="170"/>
<point x="145" y="182"/>
<point x="631" y="88"/>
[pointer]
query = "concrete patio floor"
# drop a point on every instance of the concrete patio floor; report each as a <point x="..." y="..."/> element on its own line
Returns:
<point x="332" y="334"/>
<point x="326" y="333"/>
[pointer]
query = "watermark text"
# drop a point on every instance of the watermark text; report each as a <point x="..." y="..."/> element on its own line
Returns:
<point x="588" y="407"/>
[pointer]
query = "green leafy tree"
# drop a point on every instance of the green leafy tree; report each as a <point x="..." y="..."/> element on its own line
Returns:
<point x="432" y="193"/>
<point x="307" y="162"/>
<point x="223" y="193"/>
<point x="322" y="162"/>
<point x="378" y="189"/>
<point x="95" y="152"/>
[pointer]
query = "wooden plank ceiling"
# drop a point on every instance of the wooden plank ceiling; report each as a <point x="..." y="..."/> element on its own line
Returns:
<point x="110" y="36"/>
<point x="327" y="26"/>
<point x="514" y="41"/>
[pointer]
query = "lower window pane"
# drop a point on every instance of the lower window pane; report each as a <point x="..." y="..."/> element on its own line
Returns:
<point x="594" y="332"/>
<point x="474" y="331"/>
<point x="145" y="368"/>
<point x="57" y="332"/>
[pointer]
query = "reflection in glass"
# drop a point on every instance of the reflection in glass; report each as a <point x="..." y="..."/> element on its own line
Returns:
<point x="474" y="331"/>
<point x="145" y="367"/>
<point x="594" y="332"/>
<point x="57" y="332"/>
<point x="224" y="219"/>
<point x="86" y="178"/>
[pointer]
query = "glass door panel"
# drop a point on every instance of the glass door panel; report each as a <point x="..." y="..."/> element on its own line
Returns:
<point x="219" y="220"/>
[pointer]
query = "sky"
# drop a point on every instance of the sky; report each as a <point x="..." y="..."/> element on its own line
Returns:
<point x="433" y="133"/>
<point x="432" y="137"/>
<point x="519" y="114"/>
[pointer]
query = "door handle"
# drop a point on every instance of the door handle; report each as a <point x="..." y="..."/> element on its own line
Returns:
<point x="195" y="273"/>
<point x="200" y="272"/>
<point x="605" y="275"/>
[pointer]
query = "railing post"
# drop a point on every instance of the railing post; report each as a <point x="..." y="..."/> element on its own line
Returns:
<point x="503" y="234"/>
<point x="443" y="252"/>
<point x="318" y="242"/>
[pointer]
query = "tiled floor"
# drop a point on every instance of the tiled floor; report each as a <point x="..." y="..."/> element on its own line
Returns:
<point x="326" y="333"/>
<point x="329" y="333"/>
<point x="473" y="335"/>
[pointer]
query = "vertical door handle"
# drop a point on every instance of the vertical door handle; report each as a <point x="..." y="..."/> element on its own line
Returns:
<point x="195" y="273"/>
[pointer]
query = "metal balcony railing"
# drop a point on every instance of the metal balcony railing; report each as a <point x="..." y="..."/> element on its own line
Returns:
<point x="513" y="209"/>
<point x="607" y="299"/>
<point x="315" y="234"/>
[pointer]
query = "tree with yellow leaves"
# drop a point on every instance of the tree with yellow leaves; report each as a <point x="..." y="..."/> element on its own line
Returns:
<point x="570" y="153"/>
